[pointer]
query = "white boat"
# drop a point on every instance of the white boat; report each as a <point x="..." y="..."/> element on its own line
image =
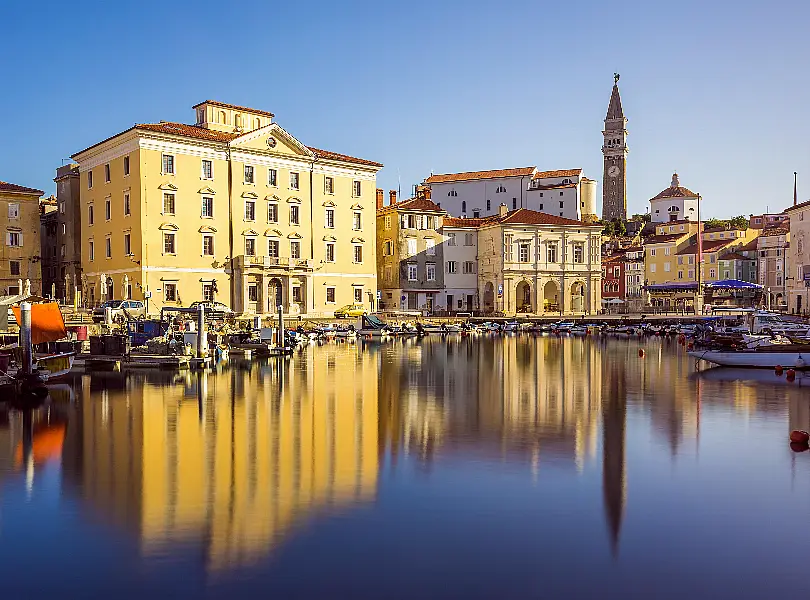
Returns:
<point x="579" y="330"/>
<point x="55" y="365"/>
<point x="511" y="327"/>
<point x="766" y="322"/>
<point x="787" y="357"/>
<point x="563" y="326"/>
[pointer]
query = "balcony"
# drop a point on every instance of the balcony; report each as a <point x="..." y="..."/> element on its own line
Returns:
<point x="273" y="262"/>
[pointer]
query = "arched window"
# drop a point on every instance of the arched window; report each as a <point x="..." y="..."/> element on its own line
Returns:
<point x="453" y="193"/>
<point x="256" y="123"/>
<point x="237" y="120"/>
<point x="463" y="206"/>
<point x="222" y="117"/>
<point x="500" y="189"/>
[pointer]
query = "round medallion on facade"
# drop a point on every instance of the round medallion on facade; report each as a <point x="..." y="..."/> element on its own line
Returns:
<point x="271" y="142"/>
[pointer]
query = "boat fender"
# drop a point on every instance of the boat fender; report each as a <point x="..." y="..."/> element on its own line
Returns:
<point x="778" y="370"/>
<point x="799" y="436"/>
<point x="790" y="374"/>
<point x="690" y="346"/>
<point x="641" y="352"/>
<point x="800" y="363"/>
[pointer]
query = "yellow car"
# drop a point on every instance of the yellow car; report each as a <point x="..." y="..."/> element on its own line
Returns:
<point x="350" y="310"/>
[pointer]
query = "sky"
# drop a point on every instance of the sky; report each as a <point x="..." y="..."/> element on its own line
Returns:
<point x="717" y="91"/>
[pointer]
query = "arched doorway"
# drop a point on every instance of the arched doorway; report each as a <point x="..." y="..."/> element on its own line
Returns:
<point x="551" y="297"/>
<point x="523" y="297"/>
<point x="779" y="301"/>
<point x="578" y="297"/>
<point x="489" y="297"/>
<point x="275" y="295"/>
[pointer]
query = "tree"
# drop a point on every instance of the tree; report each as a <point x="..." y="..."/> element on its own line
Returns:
<point x="645" y="218"/>
<point x="739" y="222"/>
<point x="712" y="223"/>
<point x="609" y="230"/>
<point x="619" y="227"/>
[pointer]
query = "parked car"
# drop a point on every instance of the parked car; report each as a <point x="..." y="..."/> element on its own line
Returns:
<point x="120" y="309"/>
<point x="350" y="310"/>
<point x="217" y="308"/>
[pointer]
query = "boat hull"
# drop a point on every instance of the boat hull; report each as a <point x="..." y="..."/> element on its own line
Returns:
<point x="762" y="360"/>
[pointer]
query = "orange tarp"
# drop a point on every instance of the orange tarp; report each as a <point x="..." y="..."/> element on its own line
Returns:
<point x="47" y="324"/>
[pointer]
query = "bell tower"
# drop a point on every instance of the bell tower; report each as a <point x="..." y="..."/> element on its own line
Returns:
<point x="614" y="150"/>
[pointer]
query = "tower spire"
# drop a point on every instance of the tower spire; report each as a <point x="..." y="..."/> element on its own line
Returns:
<point x="615" y="107"/>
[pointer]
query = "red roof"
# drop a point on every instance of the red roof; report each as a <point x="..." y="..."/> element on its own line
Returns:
<point x="13" y="188"/>
<point x="708" y="246"/>
<point x="456" y="222"/>
<point x="750" y="246"/>
<point x="413" y="204"/>
<point x="343" y="157"/>
<point x="798" y="206"/>
<point x="470" y="175"/>
<point x="559" y="173"/>
<point x="235" y="107"/>
<point x="660" y="239"/>
<point x="521" y="216"/>
<point x="734" y="256"/>
<point x="774" y="231"/>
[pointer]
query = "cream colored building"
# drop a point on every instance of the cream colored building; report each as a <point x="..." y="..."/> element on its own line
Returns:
<point x="20" y="251"/>
<point x="799" y="259"/>
<point x="232" y="208"/>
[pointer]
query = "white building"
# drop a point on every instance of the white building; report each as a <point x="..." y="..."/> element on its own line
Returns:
<point x="676" y="203"/>
<point x="799" y="259"/>
<point x="563" y="193"/>
<point x="461" y="264"/>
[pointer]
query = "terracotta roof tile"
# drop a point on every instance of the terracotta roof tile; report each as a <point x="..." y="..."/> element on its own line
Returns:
<point x="735" y="256"/>
<point x="456" y="222"/>
<point x="13" y="188"/>
<point x="343" y="157"/>
<point x="750" y="246"/>
<point x="470" y="175"/>
<point x="660" y="239"/>
<point x="558" y="173"/>
<point x="774" y="231"/>
<point x="235" y="107"/>
<point x="798" y="206"/>
<point x="708" y="246"/>
<point x="675" y="192"/>
<point x="533" y="217"/>
<point x="189" y="131"/>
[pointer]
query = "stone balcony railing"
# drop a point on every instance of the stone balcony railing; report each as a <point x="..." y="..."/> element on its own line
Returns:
<point x="243" y="261"/>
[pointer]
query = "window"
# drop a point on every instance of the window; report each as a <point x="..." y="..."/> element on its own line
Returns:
<point x="168" y="243"/>
<point x="62" y="207"/>
<point x="451" y="266"/>
<point x="168" y="204"/>
<point x="208" y="245"/>
<point x="330" y="218"/>
<point x="357" y="221"/>
<point x="652" y="268"/>
<point x="250" y="210"/>
<point x="272" y="248"/>
<point x="127" y="208"/>
<point x="250" y="246"/>
<point x="89" y="179"/>
<point x="91" y="250"/>
<point x="272" y="177"/>
<point x="412" y="272"/>
<point x="293" y="181"/>
<point x="430" y="222"/>
<point x="328" y="185"/>
<point x="411" y="246"/>
<point x="387" y="222"/>
<point x="208" y="292"/>
<point x="358" y="295"/>
<point x="296" y="294"/>
<point x="680" y="260"/>
<point x="469" y="267"/>
<point x="430" y="247"/>
<point x="90" y="215"/>
<point x="170" y="292"/>
<point x="14" y="266"/>
<point x="541" y="207"/>
<point x="463" y="206"/>
<point x="330" y="295"/>
<point x="579" y="254"/>
<point x="107" y="173"/>
<point x="356" y="189"/>
<point x="295" y="249"/>
<point x="249" y="174"/>
<point x="253" y="292"/>
<point x="652" y="251"/>
<point x="712" y="273"/>
<point x="523" y="253"/>
<point x="500" y="190"/>
<point x="127" y="244"/>
<point x="294" y="215"/>
<point x="551" y="253"/>
<point x="680" y="274"/>
<point x="168" y="164"/>
<point x="358" y="254"/>
<point x="451" y="239"/>
<point x="330" y="252"/>
<point x="62" y="251"/>
<point x="387" y="276"/>
<point x="430" y="271"/>
<point x="666" y="251"/>
<point x="107" y="209"/>
<point x="476" y="214"/>
<point x="388" y="248"/>
<point x="108" y="247"/>
<point x="666" y="267"/>
<point x="207" y="206"/>
<point x="489" y="205"/>
<point x="126" y="166"/>
<point x="272" y="213"/>
<point x="562" y="204"/>
<point x="469" y="239"/>
<point x="13" y="211"/>
<point x="207" y="169"/>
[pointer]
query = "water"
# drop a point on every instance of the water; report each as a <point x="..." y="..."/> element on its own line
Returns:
<point x="465" y="468"/>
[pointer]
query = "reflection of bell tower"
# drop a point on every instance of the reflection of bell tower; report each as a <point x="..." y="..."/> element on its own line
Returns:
<point x="614" y="418"/>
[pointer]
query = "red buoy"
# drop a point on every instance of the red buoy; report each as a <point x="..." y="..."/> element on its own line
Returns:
<point x="790" y="374"/>
<point x="641" y="352"/>
<point x="800" y="437"/>
<point x="799" y="447"/>
<point x="690" y="346"/>
<point x="778" y="369"/>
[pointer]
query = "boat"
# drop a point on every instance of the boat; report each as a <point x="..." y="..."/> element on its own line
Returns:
<point x="579" y="330"/>
<point x="55" y="365"/>
<point x="563" y="327"/>
<point x="372" y="327"/>
<point x="511" y="327"/>
<point x="765" y="357"/>
<point x="770" y="322"/>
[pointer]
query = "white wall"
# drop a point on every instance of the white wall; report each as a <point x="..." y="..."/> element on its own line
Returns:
<point x="475" y="194"/>
<point x="687" y="209"/>
<point x="460" y="284"/>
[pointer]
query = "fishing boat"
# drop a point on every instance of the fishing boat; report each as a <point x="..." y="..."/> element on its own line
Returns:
<point x="793" y="356"/>
<point x="373" y="327"/>
<point x="769" y="322"/>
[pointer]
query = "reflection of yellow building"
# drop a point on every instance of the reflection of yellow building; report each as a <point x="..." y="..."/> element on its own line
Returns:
<point x="231" y="462"/>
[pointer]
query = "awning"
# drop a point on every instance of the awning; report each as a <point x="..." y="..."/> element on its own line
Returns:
<point x="733" y="284"/>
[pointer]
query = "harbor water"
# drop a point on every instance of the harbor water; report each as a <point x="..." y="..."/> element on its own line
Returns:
<point x="458" y="467"/>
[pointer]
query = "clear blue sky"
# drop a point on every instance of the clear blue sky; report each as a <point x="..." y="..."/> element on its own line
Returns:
<point x="717" y="90"/>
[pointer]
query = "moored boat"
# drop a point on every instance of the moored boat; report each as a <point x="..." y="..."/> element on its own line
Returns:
<point x="765" y="357"/>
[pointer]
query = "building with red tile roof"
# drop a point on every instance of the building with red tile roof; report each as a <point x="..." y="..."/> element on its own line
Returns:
<point x="675" y="203"/>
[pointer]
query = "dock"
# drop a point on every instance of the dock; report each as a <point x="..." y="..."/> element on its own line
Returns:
<point x="140" y="361"/>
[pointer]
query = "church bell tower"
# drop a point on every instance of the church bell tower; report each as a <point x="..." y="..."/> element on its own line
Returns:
<point x="614" y="150"/>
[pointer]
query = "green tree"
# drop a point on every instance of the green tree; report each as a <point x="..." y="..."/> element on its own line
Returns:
<point x="712" y="223"/>
<point x="739" y="222"/>
<point x="609" y="230"/>
<point x="645" y="218"/>
<point x="619" y="227"/>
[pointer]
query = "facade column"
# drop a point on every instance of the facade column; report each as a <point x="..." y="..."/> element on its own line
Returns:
<point x="287" y="301"/>
<point x="538" y="297"/>
<point x="264" y="296"/>
<point x="565" y="296"/>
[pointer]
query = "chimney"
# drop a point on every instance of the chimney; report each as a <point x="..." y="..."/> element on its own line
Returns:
<point x="502" y="210"/>
<point x="392" y="197"/>
<point x="427" y="193"/>
<point x="380" y="198"/>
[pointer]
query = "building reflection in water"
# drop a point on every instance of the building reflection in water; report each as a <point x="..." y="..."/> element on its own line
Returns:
<point x="228" y="463"/>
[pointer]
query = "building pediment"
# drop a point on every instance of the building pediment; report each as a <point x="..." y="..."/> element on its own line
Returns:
<point x="272" y="139"/>
<point x="207" y="229"/>
<point x="168" y="187"/>
<point x="329" y="238"/>
<point x="272" y="198"/>
<point x="358" y="240"/>
<point x="250" y="195"/>
<point x="294" y="200"/>
<point x="357" y="207"/>
<point x="295" y="236"/>
<point x="168" y="227"/>
<point x="249" y="232"/>
<point x="329" y="204"/>
<point x="207" y="191"/>
<point x="273" y="233"/>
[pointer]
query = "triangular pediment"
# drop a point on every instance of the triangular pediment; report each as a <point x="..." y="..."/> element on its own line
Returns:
<point x="249" y="232"/>
<point x="329" y="238"/>
<point x="272" y="139"/>
<point x="207" y="191"/>
<point x="207" y="229"/>
<point x="357" y="207"/>
<point x="273" y="233"/>
<point x="329" y="204"/>
<point x="169" y="187"/>
<point x="358" y="240"/>
<point x="250" y="195"/>
<point x="294" y="200"/>
<point x="272" y="198"/>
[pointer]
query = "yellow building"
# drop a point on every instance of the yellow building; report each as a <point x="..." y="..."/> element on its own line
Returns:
<point x="232" y="208"/>
<point x="20" y="266"/>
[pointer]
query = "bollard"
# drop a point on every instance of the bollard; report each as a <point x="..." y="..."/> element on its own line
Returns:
<point x="202" y="336"/>
<point x="25" y="338"/>
<point x="107" y="316"/>
<point x="281" y="343"/>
